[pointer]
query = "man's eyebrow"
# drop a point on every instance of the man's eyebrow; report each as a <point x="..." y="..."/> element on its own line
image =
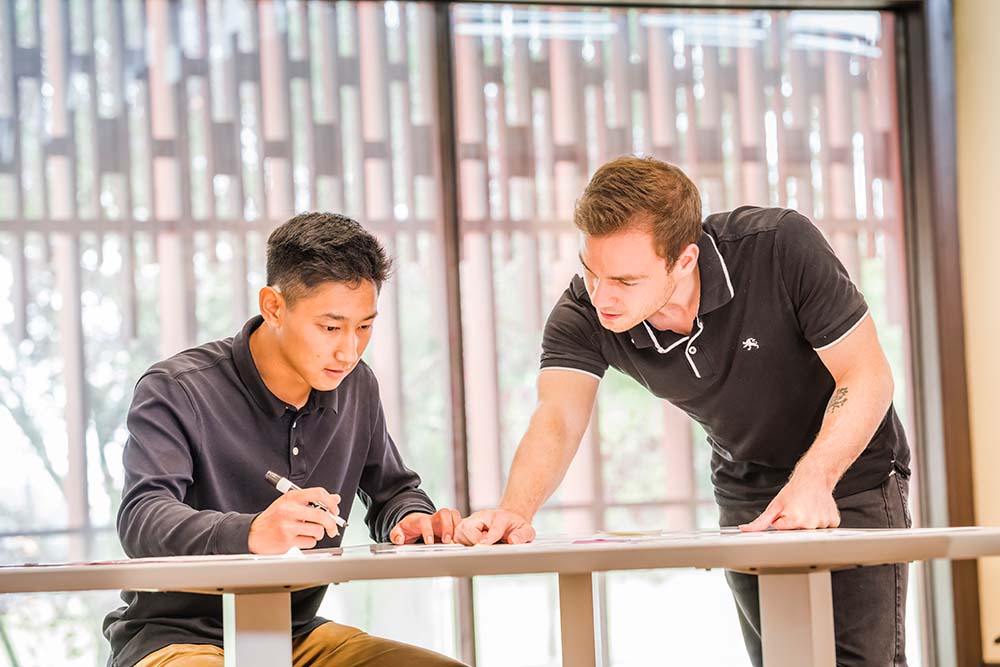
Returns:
<point x="342" y="318"/>
<point x="627" y="278"/>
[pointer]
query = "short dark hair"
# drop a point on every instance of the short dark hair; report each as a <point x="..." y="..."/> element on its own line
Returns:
<point x="631" y="192"/>
<point x="315" y="248"/>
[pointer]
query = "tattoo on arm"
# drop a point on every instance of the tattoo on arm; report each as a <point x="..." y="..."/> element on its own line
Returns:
<point x="838" y="399"/>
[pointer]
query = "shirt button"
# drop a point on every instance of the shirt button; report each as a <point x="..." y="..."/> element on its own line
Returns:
<point x="692" y="350"/>
<point x="295" y="451"/>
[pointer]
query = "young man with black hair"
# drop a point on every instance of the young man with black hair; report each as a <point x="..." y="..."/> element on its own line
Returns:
<point x="749" y="323"/>
<point x="289" y="393"/>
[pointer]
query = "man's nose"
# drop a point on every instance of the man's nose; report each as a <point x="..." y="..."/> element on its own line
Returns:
<point x="347" y="351"/>
<point x="599" y="295"/>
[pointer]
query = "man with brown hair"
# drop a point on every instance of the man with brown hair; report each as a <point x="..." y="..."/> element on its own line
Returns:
<point x="749" y="323"/>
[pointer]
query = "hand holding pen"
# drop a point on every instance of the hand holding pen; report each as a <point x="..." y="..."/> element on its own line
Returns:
<point x="285" y="485"/>
<point x="298" y="518"/>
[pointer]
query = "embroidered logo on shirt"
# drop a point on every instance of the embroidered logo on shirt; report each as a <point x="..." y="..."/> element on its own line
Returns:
<point x="750" y="344"/>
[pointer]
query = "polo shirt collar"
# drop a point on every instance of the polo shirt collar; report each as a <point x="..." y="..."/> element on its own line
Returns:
<point x="270" y="404"/>
<point x="716" y="285"/>
<point x="716" y="291"/>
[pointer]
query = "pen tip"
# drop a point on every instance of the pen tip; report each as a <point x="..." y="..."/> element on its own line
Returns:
<point x="272" y="477"/>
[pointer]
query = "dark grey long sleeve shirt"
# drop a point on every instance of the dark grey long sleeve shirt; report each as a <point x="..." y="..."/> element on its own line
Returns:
<point x="203" y="430"/>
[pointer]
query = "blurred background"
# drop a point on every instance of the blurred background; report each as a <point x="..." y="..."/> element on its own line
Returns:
<point x="147" y="149"/>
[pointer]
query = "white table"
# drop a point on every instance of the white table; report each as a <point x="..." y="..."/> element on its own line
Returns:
<point x="794" y="569"/>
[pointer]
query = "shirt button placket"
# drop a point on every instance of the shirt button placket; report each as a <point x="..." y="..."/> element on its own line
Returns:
<point x="294" y="440"/>
<point x="693" y="350"/>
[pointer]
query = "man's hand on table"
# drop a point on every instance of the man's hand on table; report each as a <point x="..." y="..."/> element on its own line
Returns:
<point x="806" y="502"/>
<point x="492" y="526"/>
<point x="420" y="525"/>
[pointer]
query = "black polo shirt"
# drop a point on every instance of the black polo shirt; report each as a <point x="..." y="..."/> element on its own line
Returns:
<point x="203" y="430"/>
<point x="772" y="293"/>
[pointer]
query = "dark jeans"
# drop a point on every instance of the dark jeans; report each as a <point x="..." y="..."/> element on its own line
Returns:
<point x="869" y="603"/>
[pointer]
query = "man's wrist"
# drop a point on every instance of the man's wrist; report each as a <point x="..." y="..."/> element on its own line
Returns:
<point x="405" y="512"/>
<point x="815" y="472"/>
<point x="519" y="510"/>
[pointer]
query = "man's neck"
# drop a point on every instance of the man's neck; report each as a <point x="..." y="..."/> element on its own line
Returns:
<point x="278" y="377"/>
<point x="679" y="313"/>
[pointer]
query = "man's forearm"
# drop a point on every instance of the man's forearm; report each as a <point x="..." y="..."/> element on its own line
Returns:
<point x="528" y="486"/>
<point x="856" y="408"/>
<point x="158" y="525"/>
<point x="541" y="462"/>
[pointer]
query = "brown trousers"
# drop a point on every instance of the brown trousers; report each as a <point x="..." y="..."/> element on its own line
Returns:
<point x="329" y="645"/>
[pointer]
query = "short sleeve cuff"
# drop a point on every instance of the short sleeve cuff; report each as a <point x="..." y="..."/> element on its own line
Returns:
<point x="573" y="365"/>
<point x="842" y="330"/>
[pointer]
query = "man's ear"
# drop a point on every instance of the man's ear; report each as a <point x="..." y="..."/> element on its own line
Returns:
<point x="687" y="261"/>
<point x="272" y="305"/>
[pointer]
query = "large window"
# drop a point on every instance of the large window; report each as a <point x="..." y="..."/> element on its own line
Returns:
<point x="147" y="148"/>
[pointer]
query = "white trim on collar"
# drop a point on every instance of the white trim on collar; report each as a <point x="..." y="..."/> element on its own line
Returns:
<point x="725" y="269"/>
<point x="660" y="348"/>
<point x="685" y="339"/>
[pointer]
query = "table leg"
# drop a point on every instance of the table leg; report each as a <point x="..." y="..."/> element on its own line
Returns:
<point x="796" y="619"/>
<point x="257" y="629"/>
<point x="576" y="615"/>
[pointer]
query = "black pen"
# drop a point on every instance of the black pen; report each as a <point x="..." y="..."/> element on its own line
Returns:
<point x="285" y="485"/>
